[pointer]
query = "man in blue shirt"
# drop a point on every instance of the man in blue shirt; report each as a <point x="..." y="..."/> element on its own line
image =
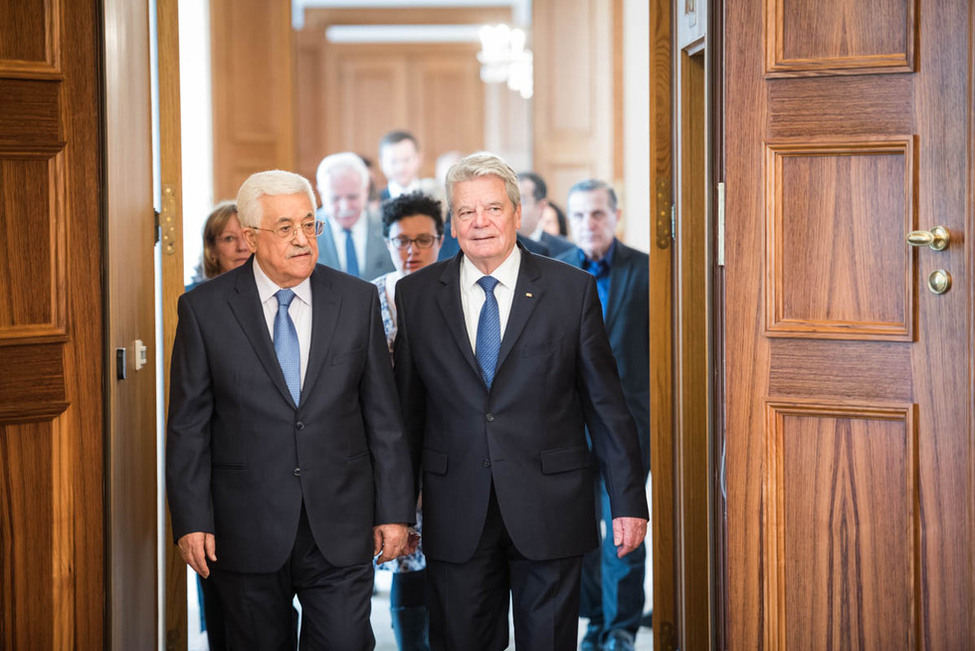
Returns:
<point x="612" y="588"/>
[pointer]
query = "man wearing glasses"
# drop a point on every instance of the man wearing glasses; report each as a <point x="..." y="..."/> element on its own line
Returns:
<point x="286" y="466"/>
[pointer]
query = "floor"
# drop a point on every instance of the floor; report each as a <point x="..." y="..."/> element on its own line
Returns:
<point x="381" y="626"/>
<point x="380" y="613"/>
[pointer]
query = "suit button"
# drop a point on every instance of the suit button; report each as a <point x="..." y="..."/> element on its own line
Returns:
<point x="487" y="463"/>
<point x="297" y="472"/>
<point x="299" y="426"/>
<point x="490" y="418"/>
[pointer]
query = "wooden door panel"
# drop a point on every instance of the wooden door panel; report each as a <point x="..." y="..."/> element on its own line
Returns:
<point x="32" y="220"/>
<point x="372" y="94"/>
<point x="842" y="522"/>
<point x="449" y="101"/>
<point x="838" y="36"/>
<point x="848" y="384"/>
<point x="31" y="30"/>
<point x="827" y="203"/>
<point x="812" y="369"/>
<point x="52" y="581"/>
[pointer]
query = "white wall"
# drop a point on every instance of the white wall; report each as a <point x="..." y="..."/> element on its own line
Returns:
<point x="636" y="123"/>
<point x="196" y="126"/>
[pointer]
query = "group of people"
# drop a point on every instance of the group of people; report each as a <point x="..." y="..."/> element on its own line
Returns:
<point x="476" y="385"/>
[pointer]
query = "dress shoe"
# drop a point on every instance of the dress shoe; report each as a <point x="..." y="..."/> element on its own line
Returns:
<point x="590" y="642"/>
<point x="647" y="620"/>
<point x="619" y="640"/>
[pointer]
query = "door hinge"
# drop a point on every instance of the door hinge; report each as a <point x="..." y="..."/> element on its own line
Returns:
<point x="167" y="220"/>
<point x="664" y="220"/>
<point x="720" y="225"/>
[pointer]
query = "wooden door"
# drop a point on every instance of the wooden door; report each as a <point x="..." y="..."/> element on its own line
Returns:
<point x="849" y="395"/>
<point x="432" y="90"/>
<point x="52" y="417"/>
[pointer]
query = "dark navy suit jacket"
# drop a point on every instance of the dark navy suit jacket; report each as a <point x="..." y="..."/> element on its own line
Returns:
<point x="628" y="325"/>
<point x="526" y="435"/>
<point x="242" y="458"/>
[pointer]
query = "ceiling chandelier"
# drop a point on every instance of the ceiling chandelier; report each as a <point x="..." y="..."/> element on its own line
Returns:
<point x="504" y="59"/>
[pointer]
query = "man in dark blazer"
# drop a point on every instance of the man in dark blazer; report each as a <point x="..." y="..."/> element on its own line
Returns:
<point x="502" y="361"/>
<point x="352" y="240"/>
<point x="285" y="454"/>
<point x="612" y="587"/>
<point x="534" y="199"/>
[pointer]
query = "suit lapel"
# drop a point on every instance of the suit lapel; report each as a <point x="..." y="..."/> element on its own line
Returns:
<point x="327" y="255"/>
<point x="527" y="295"/>
<point x="325" y="312"/>
<point x="246" y="306"/>
<point x="448" y="298"/>
<point x="375" y="250"/>
<point x="620" y="277"/>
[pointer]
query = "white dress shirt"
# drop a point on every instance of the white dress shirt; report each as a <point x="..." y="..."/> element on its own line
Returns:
<point x="360" y="232"/>
<point x="395" y="189"/>
<point x="300" y="311"/>
<point x="472" y="296"/>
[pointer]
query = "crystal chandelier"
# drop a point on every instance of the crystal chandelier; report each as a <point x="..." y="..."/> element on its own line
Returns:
<point x="504" y="58"/>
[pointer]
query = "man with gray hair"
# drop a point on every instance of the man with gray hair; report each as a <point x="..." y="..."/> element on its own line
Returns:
<point x="612" y="586"/>
<point x="285" y="454"/>
<point x="497" y="411"/>
<point x="352" y="240"/>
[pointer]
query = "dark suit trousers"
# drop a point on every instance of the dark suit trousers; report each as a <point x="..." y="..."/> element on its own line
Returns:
<point x="612" y="588"/>
<point x="335" y="602"/>
<point x="469" y="601"/>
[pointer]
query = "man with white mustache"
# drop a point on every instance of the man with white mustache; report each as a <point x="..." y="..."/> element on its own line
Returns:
<point x="285" y="453"/>
<point x="352" y="240"/>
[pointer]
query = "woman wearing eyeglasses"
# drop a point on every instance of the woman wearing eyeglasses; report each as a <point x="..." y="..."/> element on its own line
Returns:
<point x="224" y="247"/>
<point x="413" y="228"/>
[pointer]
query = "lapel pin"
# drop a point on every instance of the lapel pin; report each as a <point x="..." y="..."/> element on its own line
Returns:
<point x="528" y="294"/>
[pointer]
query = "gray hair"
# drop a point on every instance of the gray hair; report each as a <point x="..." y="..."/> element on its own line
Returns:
<point x="590" y="185"/>
<point x="270" y="183"/>
<point x="480" y="165"/>
<point x="345" y="160"/>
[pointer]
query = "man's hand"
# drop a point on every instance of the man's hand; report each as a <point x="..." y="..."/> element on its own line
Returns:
<point x="195" y="548"/>
<point x="390" y="539"/>
<point x="628" y="533"/>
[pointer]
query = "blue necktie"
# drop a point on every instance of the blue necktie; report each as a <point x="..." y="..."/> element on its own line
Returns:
<point x="600" y="270"/>
<point x="286" y="344"/>
<point x="351" y="261"/>
<point x="488" y="331"/>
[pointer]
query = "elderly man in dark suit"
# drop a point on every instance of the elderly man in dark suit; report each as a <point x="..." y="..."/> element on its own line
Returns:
<point x="285" y="456"/>
<point x="502" y="362"/>
<point x="612" y="587"/>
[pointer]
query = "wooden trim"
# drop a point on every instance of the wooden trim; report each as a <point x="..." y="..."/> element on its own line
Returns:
<point x="661" y="342"/>
<point x="129" y="234"/>
<point x="320" y="18"/>
<point x="692" y="363"/>
<point x="171" y="222"/>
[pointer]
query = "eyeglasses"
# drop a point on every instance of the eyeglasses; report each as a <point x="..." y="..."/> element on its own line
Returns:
<point x="287" y="231"/>
<point x="424" y="241"/>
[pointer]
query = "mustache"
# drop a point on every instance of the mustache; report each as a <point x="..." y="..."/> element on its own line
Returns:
<point x="298" y="250"/>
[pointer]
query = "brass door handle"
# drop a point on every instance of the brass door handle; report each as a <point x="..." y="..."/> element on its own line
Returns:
<point x="937" y="238"/>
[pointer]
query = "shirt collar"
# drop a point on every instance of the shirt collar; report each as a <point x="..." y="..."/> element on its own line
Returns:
<point x="338" y="233"/>
<point x="267" y="288"/>
<point x="506" y="273"/>
<point x="395" y="189"/>
<point x="606" y="259"/>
